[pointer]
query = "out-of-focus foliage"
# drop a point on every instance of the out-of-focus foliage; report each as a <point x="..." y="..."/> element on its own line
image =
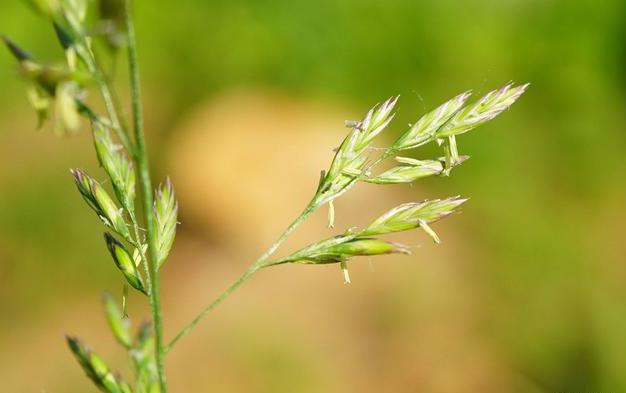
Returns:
<point x="545" y="224"/>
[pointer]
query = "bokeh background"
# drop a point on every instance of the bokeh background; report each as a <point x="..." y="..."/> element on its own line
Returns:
<point x="244" y="102"/>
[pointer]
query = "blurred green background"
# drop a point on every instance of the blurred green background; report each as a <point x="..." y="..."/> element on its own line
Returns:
<point x="244" y="101"/>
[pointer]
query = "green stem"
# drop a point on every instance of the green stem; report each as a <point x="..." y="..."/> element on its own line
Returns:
<point x="107" y="96"/>
<point x="109" y="103"/>
<point x="141" y="157"/>
<point x="256" y="266"/>
<point x="243" y="278"/>
<point x="311" y="207"/>
<point x="142" y="253"/>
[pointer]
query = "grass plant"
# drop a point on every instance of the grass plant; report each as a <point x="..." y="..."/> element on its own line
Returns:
<point x="139" y="239"/>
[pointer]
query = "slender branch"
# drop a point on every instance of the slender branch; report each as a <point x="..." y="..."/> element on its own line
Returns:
<point x="107" y="96"/>
<point x="113" y="97"/>
<point x="258" y="264"/>
<point x="243" y="278"/>
<point x="311" y="207"/>
<point x="141" y="158"/>
<point x="109" y="102"/>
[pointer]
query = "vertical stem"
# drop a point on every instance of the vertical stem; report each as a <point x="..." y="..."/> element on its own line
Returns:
<point x="141" y="157"/>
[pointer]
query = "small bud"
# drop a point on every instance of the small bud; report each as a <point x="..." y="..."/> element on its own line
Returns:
<point x="118" y="324"/>
<point x="166" y="215"/>
<point x="124" y="262"/>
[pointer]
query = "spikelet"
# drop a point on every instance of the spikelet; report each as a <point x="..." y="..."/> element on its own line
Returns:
<point x="166" y="215"/>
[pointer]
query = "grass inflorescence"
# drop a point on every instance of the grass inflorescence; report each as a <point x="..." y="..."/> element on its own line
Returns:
<point x="139" y="248"/>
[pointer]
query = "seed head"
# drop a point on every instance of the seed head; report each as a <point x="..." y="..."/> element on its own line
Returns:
<point x="413" y="215"/>
<point x="412" y="170"/>
<point x="117" y="166"/>
<point x="143" y="358"/>
<point x="350" y="159"/>
<point x="367" y="246"/>
<point x="166" y="214"/>
<point x="485" y="109"/>
<point x="51" y="83"/>
<point x="100" y="201"/>
<point x="340" y="248"/>
<point x="375" y="121"/>
<point x="423" y="131"/>
<point x="124" y="262"/>
<point x="96" y="369"/>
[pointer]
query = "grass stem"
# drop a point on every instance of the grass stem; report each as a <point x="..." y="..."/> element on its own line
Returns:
<point x="141" y="158"/>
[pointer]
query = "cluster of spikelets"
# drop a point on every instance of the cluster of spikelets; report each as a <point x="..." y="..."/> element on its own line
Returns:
<point x="140" y="350"/>
<point x="62" y="89"/>
<point x="353" y="163"/>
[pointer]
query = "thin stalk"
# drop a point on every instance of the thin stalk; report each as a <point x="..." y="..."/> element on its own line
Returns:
<point x="107" y="96"/>
<point x="142" y="253"/>
<point x="311" y="207"/>
<point x="141" y="158"/>
<point x="256" y="266"/>
<point x="88" y="57"/>
<point x="109" y="102"/>
<point x="243" y="278"/>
